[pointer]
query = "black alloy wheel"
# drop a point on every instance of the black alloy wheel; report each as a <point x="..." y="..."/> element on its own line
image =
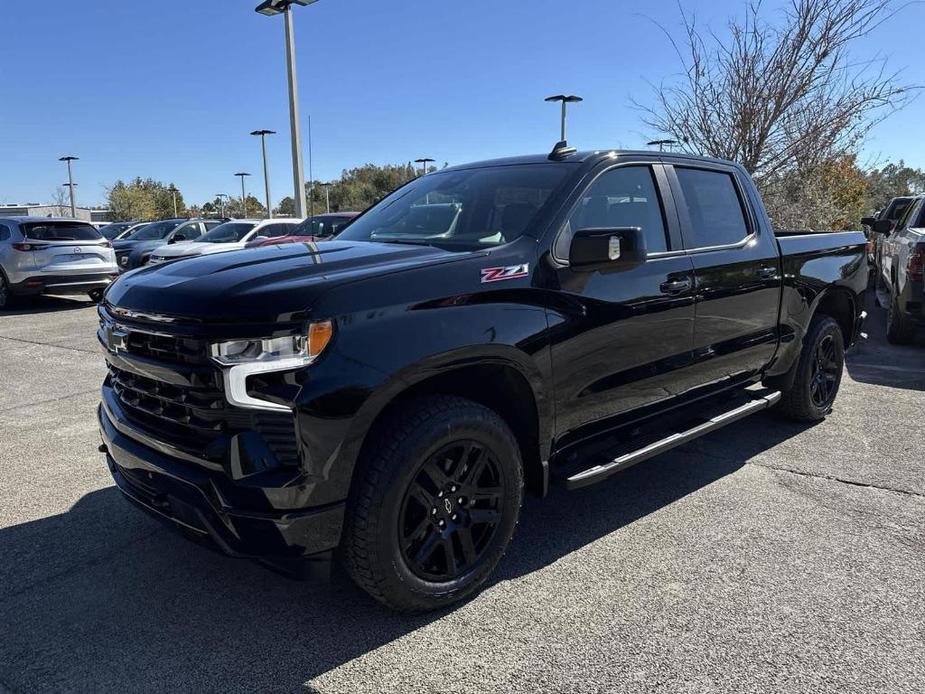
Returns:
<point x="451" y="511"/>
<point x="825" y="373"/>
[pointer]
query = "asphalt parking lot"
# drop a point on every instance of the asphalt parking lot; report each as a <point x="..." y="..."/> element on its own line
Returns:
<point x="767" y="557"/>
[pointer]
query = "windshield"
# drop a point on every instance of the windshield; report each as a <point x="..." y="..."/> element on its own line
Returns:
<point x="60" y="231"/>
<point x="462" y="210"/>
<point x="155" y="230"/>
<point x="229" y="232"/>
<point x="111" y="231"/>
<point x="322" y="225"/>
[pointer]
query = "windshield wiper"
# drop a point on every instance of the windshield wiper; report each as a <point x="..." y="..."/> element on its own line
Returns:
<point x="406" y="242"/>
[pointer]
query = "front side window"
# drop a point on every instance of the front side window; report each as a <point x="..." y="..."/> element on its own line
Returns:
<point x="155" y="231"/>
<point x="462" y="210"/>
<point x="230" y="232"/>
<point x="622" y="197"/>
<point x="60" y="231"/>
<point x="716" y="213"/>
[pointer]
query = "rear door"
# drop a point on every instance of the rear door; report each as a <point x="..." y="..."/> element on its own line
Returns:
<point x="65" y="247"/>
<point x="736" y="272"/>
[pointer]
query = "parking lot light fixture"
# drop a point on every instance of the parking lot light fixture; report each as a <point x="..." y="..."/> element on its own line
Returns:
<point x="173" y="191"/>
<point x="242" y="175"/>
<point x="327" y="195"/>
<point x="566" y="99"/>
<point x="424" y="161"/>
<point x="266" y="173"/>
<point x="70" y="179"/>
<point x="272" y="8"/>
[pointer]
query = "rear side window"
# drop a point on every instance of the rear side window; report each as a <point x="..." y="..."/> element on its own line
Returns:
<point x="60" y="231"/>
<point x="716" y="213"/>
<point x="622" y="197"/>
<point x="4" y="232"/>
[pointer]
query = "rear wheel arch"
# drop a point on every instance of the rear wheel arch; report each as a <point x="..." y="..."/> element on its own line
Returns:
<point x="840" y="304"/>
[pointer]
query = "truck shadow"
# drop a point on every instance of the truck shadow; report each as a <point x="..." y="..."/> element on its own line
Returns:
<point x="876" y="362"/>
<point x="102" y="598"/>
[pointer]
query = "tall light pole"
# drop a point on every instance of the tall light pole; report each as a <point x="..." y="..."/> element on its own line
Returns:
<point x="284" y="7"/>
<point x="424" y="161"/>
<point x="243" y="174"/>
<point x="266" y="173"/>
<point x="221" y="203"/>
<point x="565" y="99"/>
<point x="70" y="182"/>
<point x="173" y="191"/>
<point x="327" y="195"/>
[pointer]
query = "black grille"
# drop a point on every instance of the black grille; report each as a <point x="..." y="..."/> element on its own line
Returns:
<point x="199" y="419"/>
<point x="182" y="350"/>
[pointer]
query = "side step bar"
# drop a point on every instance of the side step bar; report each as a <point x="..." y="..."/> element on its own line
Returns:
<point x="600" y="472"/>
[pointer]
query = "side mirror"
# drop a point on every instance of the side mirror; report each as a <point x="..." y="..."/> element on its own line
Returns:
<point x="260" y="238"/>
<point x="869" y="221"/>
<point x="178" y="237"/>
<point x="883" y="226"/>
<point x="602" y="248"/>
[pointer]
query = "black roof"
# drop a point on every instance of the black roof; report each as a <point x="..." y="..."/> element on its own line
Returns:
<point x="589" y="156"/>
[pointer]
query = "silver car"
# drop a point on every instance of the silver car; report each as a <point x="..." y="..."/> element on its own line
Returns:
<point x="49" y="255"/>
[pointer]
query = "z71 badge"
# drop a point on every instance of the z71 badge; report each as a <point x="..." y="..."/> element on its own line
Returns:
<point x="497" y="274"/>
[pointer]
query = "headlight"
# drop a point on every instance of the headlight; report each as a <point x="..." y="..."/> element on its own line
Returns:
<point x="245" y="358"/>
<point x="305" y="348"/>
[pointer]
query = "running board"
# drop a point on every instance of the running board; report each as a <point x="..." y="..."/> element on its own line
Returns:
<point x="600" y="472"/>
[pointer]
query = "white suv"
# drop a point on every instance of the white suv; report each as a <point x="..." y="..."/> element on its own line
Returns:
<point x="50" y="255"/>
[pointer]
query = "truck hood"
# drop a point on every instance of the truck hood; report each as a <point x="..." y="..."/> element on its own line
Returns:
<point x="262" y="284"/>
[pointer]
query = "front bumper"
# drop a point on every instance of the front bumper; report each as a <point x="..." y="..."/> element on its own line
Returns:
<point x="196" y="501"/>
<point x="63" y="284"/>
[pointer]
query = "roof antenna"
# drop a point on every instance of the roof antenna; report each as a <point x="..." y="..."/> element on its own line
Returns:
<point x="562" y="149"/>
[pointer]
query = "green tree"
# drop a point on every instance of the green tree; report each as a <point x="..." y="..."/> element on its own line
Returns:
<point x="144" y="199"/>
<point x="286" y="207"/>
<point x="891" y="181"/>
<point x="360" y="187"/>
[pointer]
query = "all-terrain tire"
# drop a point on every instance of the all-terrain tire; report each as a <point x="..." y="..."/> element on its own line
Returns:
<point x="410" y="448"/>
<point x="803" y="402"/>
<point x="899" y="329"/>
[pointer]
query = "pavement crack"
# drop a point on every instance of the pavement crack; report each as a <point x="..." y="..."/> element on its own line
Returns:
<point x="46" y="344"/>
<point x="833" y="478"/>
<point x="48" y="400"/>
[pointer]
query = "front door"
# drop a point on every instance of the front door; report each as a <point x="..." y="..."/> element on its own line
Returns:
<point x="621" y="338"/>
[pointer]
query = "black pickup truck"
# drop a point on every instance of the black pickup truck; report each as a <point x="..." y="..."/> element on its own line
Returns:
<point x="387" y="396"/>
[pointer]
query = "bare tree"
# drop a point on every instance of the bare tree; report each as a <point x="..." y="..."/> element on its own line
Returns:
<point x="779" y="96"/>
<point x="61" y="202"/>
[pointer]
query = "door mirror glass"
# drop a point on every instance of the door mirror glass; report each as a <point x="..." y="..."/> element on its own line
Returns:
<point x="869" y="221"/>
<point x="602" y="248"/>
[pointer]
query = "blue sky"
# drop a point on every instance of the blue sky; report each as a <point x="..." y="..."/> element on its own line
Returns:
<point x="171" y="89"/>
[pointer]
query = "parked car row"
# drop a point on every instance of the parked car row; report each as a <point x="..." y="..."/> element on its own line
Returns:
<point x="43" y="255"/>
<point x="897" y="240"/>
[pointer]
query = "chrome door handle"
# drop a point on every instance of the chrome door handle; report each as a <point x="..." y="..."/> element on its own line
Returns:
<point x="675" y="286"/>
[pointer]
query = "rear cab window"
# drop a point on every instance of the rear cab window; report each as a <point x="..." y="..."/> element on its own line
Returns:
<point x="60" y="231"/>
<point x="716" y="211"/>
